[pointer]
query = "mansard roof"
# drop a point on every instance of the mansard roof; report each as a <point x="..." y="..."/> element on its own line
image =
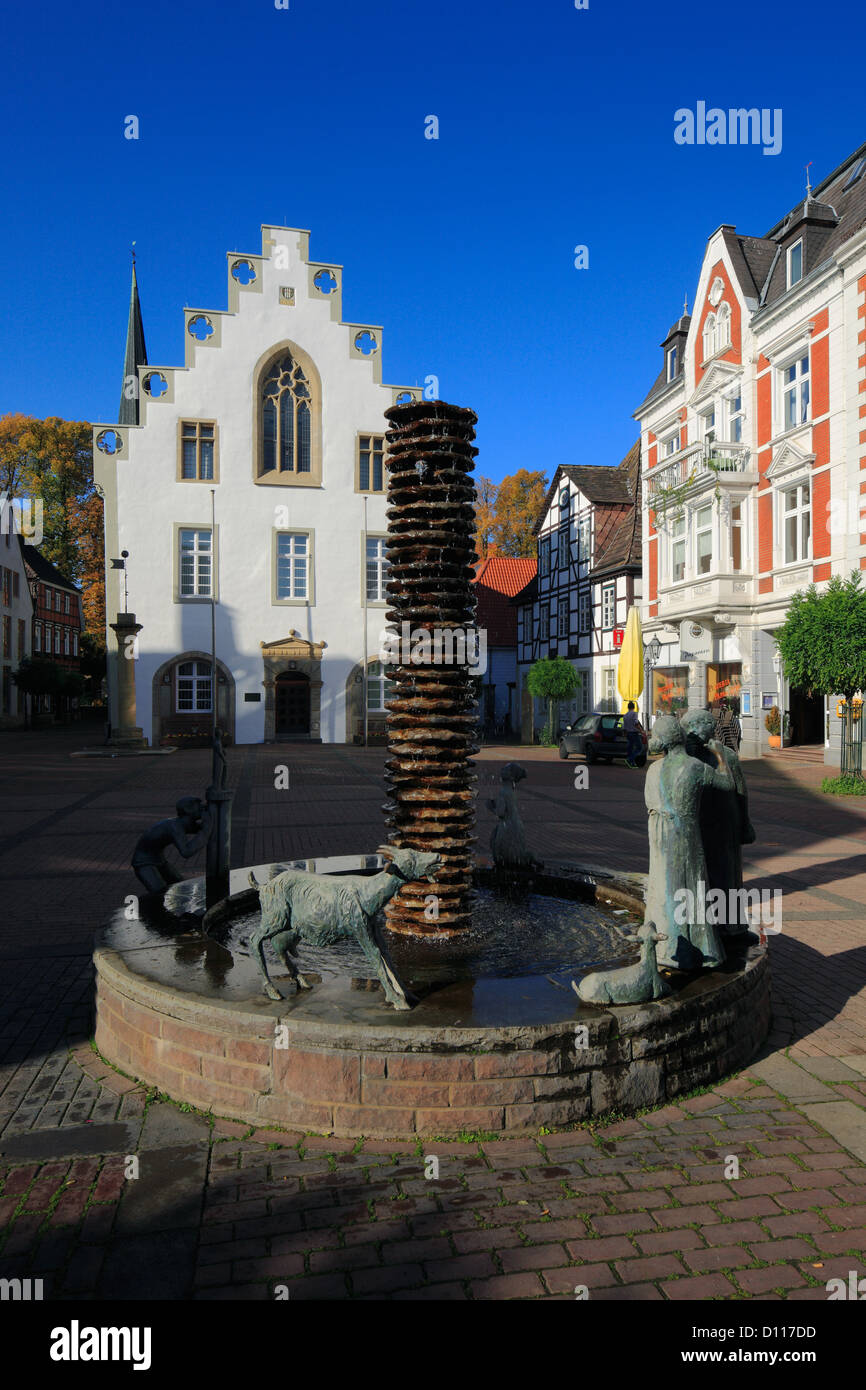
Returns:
<point x="830" y="214"/>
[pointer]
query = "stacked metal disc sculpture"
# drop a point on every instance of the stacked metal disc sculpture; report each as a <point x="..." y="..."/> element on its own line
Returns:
<point x="431" y="720"/>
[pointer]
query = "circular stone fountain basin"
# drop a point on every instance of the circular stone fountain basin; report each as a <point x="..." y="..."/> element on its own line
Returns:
<point x="498" y="1041"/>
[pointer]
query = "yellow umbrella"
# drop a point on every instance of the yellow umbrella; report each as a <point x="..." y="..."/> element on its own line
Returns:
<point x="629" y="672"/>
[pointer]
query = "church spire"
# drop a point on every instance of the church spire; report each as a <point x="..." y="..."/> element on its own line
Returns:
<point x="136" y="356"/>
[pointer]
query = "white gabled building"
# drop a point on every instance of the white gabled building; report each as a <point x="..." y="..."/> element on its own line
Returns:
<point x="16" y="613"/>
<point x="253" y="473"/>
<point x="589" y="574"/>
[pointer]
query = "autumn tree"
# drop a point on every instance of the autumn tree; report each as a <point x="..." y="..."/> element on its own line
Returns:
<point x="485" y="516"/>
<point x="51" y="461"/>
<point x="519" y="500"/>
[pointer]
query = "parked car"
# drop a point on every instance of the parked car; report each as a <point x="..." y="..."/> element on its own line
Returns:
<point x="600" y="738"/>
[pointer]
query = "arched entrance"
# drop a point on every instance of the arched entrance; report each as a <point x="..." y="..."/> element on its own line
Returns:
<point x="292" y="705"/>
<point x="293" y="689"/>
<point x="182" y="708"/>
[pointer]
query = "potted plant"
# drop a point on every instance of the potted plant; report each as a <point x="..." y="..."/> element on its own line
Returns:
<point x="773" y="725"/>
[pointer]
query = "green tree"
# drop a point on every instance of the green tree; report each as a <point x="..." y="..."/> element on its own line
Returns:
<point x="822" y="643"/>
<point x="36" y="676"/>
<point x="551" y="679"/>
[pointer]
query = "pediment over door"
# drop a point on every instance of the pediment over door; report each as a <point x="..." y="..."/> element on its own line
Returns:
<point x="293" y="648"/>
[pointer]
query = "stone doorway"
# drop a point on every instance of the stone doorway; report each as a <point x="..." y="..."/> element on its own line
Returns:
<point x="292" y="705"/>
<point x="293" y="689"/>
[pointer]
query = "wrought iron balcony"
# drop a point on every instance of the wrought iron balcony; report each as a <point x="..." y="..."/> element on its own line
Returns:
<point x="697" y="463"/>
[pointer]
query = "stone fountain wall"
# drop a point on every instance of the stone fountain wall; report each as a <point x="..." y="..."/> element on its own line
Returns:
<point x="431" y="723"/>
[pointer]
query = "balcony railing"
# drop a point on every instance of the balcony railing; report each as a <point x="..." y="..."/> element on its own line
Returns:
<point x="695" y="462"/>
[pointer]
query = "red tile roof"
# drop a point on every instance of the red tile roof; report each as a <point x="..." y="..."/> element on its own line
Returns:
<point x="497" y="579"/>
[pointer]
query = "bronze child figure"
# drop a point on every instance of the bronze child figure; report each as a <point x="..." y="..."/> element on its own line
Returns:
<point x="188" y="832"/>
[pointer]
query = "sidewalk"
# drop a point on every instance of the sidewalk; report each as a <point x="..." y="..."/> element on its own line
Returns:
<point x="645" y="1208"/>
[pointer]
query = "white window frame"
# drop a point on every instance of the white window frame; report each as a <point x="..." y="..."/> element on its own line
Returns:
<point x="723" y="326"/>
<point x="293" y="600"/>
<point x="678" y="539"/>
<point x="37" y="636"/>
<point x="562" y="548"/>
<point x="584" y="540"/>
<point x="742" y="527"/>
<point x="673" y="354"/>
<point x="608" y="607"/>
<point x="582" y="693"/>
<point x="708" y="426"/>
<point x="735" y="416"/>
<point x="544" y="557"/>
<point x="607" y="690"/>
<point x="377" y="681"/>
<point x="380" y="562"/>
<point x="699" y="530"/>
<point x="669" y="444"/>
<point x="199" y="595"/>
<point x="787" y="388"/>
<point x="562" y="616"/>
<point x="709" y="337"/>
<point x="789" y="257"/>
<point x="782" y="492"/>
<point x="584" y="611"/>
<point x="197" y="681"/>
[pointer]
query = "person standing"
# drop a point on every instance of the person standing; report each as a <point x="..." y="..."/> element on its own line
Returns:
<point x="728" y="728"/>
<point x="631" y="725"/>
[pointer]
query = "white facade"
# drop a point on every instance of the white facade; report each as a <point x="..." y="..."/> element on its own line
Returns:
<point x="16" y="612"/>
<point x="785" y="508"/>
<point x="288" y="557"/>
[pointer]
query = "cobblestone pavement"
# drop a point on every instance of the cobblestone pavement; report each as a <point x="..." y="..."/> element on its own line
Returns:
<point x="647" y="1208"/>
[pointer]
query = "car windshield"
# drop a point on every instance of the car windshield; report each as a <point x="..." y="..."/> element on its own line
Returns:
<point x="611" y="722"/>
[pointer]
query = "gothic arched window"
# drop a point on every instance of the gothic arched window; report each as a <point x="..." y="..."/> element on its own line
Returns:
<point x="709" y="336"/>
<point x="286" y="406"/>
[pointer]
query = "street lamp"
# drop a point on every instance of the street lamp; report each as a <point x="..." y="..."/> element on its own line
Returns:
<point x="652" y="652"/>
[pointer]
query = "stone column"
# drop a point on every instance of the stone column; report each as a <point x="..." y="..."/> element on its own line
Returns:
<point x="125" y="733"/>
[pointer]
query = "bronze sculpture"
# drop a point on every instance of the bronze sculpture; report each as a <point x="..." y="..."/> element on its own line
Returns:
<point x="188" y="832"/>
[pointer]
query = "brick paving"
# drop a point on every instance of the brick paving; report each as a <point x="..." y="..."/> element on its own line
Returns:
<point x="648" y="1208"/>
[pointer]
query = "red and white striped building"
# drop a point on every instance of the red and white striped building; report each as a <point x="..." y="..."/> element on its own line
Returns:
<point x="754" y="441"/>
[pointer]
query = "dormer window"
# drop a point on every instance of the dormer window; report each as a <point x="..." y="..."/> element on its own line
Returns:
<point x="672" y="363"/>
<point x="795" y="263"/>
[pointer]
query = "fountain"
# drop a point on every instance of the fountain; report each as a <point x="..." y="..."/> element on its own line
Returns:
<point x="537" y="990"/>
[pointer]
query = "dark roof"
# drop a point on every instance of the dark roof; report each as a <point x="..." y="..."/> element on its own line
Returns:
<point x="598" y="482"/>
<point x="39" y="568"/>
<point x="497" y="579"/>
<point x="831" y="214"/>
<point x="618" y="547"/>
<point x="681" y="326"/>
<point x="135" y="356"/>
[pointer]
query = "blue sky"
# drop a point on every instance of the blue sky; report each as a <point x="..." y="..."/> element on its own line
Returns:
<point x="555" y="129"/>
